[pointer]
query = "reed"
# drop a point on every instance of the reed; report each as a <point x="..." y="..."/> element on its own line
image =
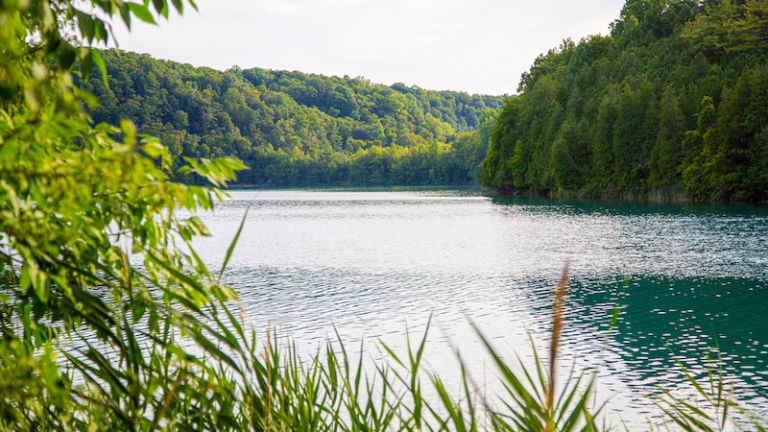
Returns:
<point x="557" y="330"/>
<point x="153" y="381"/>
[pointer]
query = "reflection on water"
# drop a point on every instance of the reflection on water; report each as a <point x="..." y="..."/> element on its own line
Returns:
<point x="685" y="279"/>
<point x="665" y="320"/>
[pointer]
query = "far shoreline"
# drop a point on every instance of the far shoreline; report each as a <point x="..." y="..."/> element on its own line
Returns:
<point x="530" y="198"/>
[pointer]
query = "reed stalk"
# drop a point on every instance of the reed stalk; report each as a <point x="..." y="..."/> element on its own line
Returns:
<point x="557" y="330"/>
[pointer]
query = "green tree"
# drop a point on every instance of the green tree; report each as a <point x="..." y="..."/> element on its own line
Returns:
<point x="88" y="235"/>
<point x="630" y="103"/>
<point x="250" y="113"/>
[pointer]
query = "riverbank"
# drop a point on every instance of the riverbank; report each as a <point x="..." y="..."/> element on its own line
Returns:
<point x="658" y="196"/>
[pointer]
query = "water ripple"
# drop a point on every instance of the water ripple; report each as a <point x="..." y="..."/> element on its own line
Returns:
<point x="682" y="279"/>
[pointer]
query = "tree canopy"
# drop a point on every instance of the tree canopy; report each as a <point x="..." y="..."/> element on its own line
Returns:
<point x="672" y="104"/>
<point x="292" y="128"/>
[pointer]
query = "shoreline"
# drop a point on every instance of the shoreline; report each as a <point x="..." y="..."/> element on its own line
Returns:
<point x="655" y="198"/>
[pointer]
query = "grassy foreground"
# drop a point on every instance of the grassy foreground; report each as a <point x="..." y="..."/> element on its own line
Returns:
<point x="141" y="381"/>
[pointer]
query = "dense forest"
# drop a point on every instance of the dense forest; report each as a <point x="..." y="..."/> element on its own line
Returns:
<point x="673" y="103"/>
<point x="294" y="129"/>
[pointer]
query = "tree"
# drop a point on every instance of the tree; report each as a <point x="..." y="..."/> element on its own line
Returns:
<point x="88" y="232"/>
<point x="630" y="103"/>
<point x="200" y="111"/>
<point x="730" y="26"/>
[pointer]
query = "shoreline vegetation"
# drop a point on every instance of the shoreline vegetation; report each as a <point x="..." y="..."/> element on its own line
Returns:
<point x="673" y="102"/>
<point x="669" y="106"/>
<point x="296" y="129"/>
<point x="109" y="320"/>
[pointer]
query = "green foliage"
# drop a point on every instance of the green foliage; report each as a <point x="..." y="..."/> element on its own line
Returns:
<point x="730" y="27"/>
<point x="91" y="275"/>
<point x="670" y="105"/>
<point x="109" y="320"/>
<point x="296" y="129"/>
<point x="709" y="407"/>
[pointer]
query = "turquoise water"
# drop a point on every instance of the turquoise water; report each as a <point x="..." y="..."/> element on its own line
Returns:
<point x="684" y="279"/>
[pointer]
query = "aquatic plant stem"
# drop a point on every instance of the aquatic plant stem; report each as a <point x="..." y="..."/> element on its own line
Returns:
<point x="557" y="329"/>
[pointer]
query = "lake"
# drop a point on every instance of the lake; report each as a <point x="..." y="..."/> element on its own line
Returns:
<point x="685" y="279"/>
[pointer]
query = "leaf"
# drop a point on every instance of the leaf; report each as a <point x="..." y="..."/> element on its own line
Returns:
<point x="125" y="13"/>
<point x="86" y="24"/>
<point x="141" y="12"/>
<point x="153" y="148"/>
<point x="161" y="6"/>
<point x="99" y="60"/>
<point x="66" y="55"/>
<point x="179" y="5"/>
<point x="86" y="64"/>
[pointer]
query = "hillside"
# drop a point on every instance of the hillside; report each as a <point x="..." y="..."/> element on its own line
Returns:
<point x="291" y="128"/>
<point x="672" y="104"/>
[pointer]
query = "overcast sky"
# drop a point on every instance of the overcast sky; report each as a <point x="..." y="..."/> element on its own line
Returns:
<point x="477" y="46"/>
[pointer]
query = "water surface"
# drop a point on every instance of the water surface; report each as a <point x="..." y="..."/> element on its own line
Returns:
<point x="685" y="279"/>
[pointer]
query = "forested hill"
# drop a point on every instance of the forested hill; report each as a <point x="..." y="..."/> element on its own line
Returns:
<point x="296" y="129"/>
<point x="673" y="103"/>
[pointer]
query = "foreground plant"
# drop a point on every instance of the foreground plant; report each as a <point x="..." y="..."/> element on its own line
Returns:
<point x="91" y="277"/>
<point x="539" y="404"/>
<point x="712" y="408"/>
<point x="531" y="399"/>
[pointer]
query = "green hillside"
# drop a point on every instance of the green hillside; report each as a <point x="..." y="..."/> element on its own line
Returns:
<point x="297" y="129"/>
<point x="672" y="104"/>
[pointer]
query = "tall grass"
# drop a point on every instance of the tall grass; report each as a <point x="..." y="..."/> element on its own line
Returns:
<point x="243" y="383"/>
<point x="335" y="390"/>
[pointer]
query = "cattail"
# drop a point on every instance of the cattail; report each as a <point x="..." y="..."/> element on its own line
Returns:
<point x="557" y="329"/>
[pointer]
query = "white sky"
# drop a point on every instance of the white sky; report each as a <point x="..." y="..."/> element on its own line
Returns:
<point x="477" y="46"/>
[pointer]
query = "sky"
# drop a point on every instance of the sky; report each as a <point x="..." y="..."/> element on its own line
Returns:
<point x="476" y="46"/>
